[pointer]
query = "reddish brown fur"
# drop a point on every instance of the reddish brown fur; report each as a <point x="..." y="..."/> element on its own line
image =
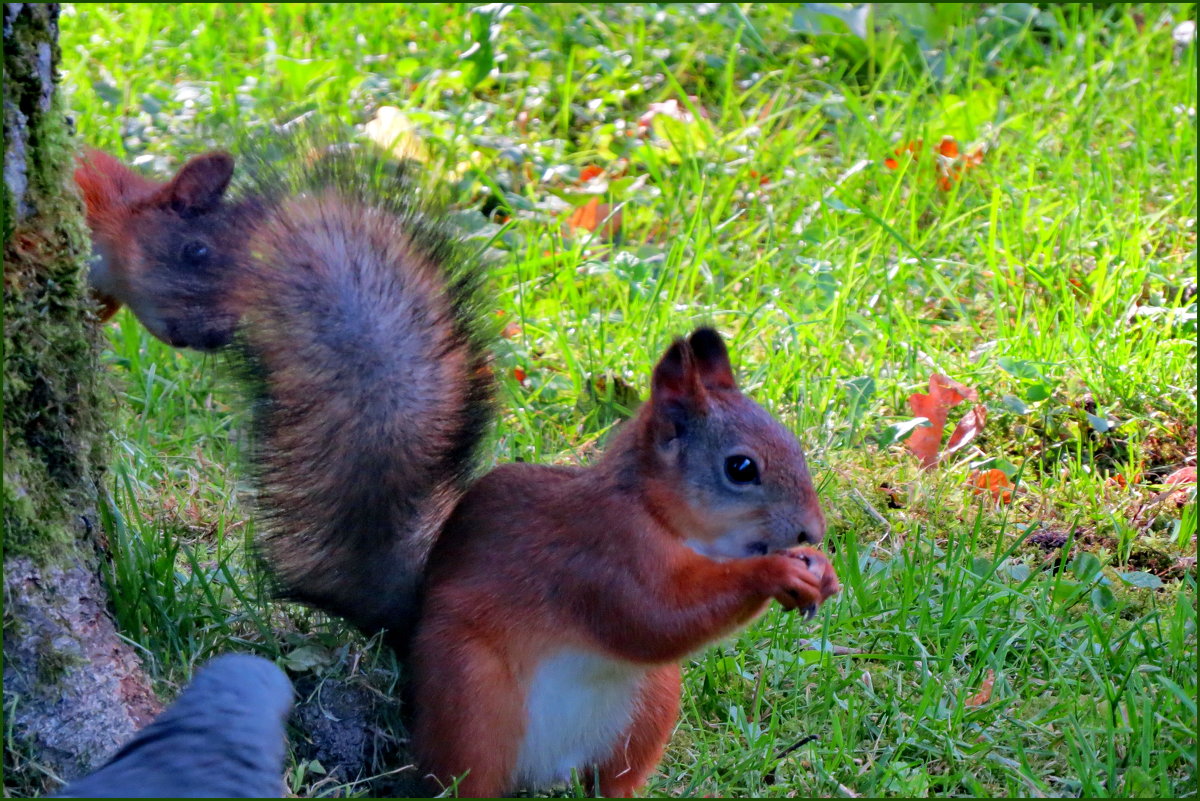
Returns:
<point x="353" y="331"/>
<point x="356" y="310"/>
<point x="109" y="190"/>
<point x="140" y="232"/>
<point x="536" y="559"/>
<point x="373" y="400"/>
<point x="641" y="748"/>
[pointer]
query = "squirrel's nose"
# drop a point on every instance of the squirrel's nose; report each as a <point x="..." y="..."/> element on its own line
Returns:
<point x="813" y="530"/>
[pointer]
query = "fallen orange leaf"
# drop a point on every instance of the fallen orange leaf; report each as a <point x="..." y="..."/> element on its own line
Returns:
<point x="993" y="481"/>
<point x="944" y="394"/>
<point x="985" y="691"/>
<point x="593" y="215"/>
<point x="951" y="163"/>
<point x="912" y="148"/>
<point x="589" y="172"/>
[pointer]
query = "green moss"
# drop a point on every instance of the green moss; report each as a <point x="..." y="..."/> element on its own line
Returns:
<point x="53" y="664"/>
<point x="54" y="436"/>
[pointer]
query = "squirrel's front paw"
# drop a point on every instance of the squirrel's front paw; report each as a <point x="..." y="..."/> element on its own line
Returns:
<point x="806" y="578"/>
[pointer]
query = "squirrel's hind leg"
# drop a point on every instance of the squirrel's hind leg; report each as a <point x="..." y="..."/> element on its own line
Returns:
<point x="469" y="720"/>
<point x="641" y="747"/>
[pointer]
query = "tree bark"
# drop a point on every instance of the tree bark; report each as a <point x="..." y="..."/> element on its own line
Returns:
<point x="73" y="690"/>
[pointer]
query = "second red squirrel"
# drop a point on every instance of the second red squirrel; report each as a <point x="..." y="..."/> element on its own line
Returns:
<point x="152" y="251"/>
<point x="545" y="610"/>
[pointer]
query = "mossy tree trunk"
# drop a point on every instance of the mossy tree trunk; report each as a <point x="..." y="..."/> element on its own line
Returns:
<point x="73" y="691"/>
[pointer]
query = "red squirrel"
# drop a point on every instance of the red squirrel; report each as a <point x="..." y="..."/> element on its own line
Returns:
<point x="152" y="251"/>
<point x="544" y="610"/>
<point x="559" y="601"/>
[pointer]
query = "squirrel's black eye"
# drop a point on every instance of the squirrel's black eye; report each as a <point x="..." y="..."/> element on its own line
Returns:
<point x="195" y="253"/>
<point x="741" y="470"/>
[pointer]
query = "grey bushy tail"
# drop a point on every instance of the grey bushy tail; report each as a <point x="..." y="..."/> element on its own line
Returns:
<point x="362" y="332"/>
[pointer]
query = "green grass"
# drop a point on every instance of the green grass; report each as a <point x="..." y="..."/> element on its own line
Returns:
<point x="1057" y="278"/>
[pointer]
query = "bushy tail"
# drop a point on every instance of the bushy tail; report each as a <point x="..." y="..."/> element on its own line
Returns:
<point x="362" y="333"/>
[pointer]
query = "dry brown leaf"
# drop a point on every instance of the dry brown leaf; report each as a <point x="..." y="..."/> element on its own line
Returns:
<point x="1175" y="493"/>
<point x="985" y="691"/>
<point x="392" y="130"/>
<point x="948" y="147"/>
<point x="950" y="161"/>
<point x="913" y="149"/>
<point x="951" y="164"/>
<point x="944" y="394"/>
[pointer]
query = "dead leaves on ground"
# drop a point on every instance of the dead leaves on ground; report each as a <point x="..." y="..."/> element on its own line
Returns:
<point x="992" y="481"/>
<point x="1184" y="475"/>
<point x="949" y="162"/>
<point x="967" y="429"/>
<point x="596" y="217"/>
<point x="944" y="394"/>
<point x="1177" y="490"/>
<point x="925" y="442"/>
<point x="985" y="691"/>
<point x="678" y="129"/>
<point x="1152" y="506"/>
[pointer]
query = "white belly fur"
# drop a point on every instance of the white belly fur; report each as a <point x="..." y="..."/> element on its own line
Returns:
<point x="579" y="705"/>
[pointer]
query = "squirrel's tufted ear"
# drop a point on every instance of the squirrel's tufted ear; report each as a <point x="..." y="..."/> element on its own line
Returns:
<point x="712" y="359"/>
<point x="676" y="393"/>
<point x="199" y="184"/>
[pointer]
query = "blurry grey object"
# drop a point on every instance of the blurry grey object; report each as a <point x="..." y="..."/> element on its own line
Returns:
<point x="222" y="738"/>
